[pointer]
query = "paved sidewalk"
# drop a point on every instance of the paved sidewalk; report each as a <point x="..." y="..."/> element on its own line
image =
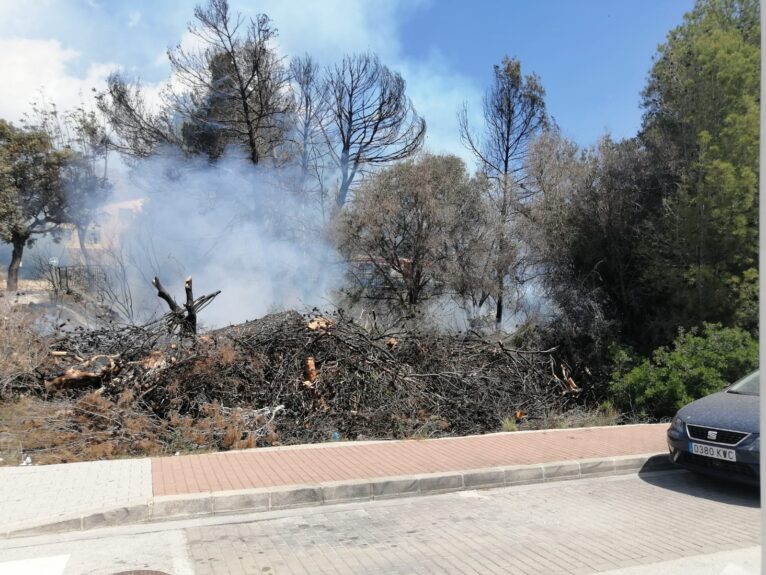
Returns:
<point x="308" y="465"/>
<point x="85" y="495"/>
<point x="39" y="495"/>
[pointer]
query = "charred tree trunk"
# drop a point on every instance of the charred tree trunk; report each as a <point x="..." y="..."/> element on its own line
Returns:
<point x="191" y="314"/>
<point x="345" y="182"/>
<point x="499" y="306"/>
<point x="163" y="294"/>
<point x="187" y="314"/>
<point x="18" y="241"/>
<point x="183" y="318"/>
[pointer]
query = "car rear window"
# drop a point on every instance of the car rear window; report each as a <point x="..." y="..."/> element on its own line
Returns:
<point x="748" y="385"/>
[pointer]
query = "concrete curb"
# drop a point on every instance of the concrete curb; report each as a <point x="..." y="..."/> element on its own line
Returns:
<point x="187" y="506"/>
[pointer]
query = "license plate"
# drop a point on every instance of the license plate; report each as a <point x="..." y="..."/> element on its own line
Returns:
<point x="714" y="452"/>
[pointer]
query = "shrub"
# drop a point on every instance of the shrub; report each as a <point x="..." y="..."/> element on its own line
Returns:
<point x="696" y="364"/>
<point x="22" y="350"/>
<point x="509" y="424"/>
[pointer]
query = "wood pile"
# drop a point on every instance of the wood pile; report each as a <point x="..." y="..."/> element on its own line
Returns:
<point x="323" y="374"/>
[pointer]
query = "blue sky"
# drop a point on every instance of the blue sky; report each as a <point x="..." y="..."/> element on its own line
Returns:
<point x="591" y="55"/>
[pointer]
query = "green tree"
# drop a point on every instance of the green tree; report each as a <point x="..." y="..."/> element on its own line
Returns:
<point x="585" y="228"/>
<point x="702" y="128"/>
<point x="400" y="228"/>
<point x="32" y="197"/>
<point x="80" y="134"/>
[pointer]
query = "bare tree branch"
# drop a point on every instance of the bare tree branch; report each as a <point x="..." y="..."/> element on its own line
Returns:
<point x="372" y="122"/>
<point x="514" y="112"/>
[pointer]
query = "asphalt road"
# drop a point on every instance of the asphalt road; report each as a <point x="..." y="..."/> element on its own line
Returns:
<point x="671" y="522"/>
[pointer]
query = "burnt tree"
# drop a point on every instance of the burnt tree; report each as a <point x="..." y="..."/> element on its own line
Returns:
<point x="514" y="113"/>
<point x="371" y="121"/>
<point x="183" y="318"/>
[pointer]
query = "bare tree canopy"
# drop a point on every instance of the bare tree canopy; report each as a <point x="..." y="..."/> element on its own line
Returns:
<point x="514" y="112"/>
<point x="139" y="131"/>
<point x="372" y="122"/>
<point x="310" y="119"/>
<point x="236" y="86"/>
<point x="232" y="90"/>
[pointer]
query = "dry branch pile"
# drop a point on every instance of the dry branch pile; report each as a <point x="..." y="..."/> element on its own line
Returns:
<point x="289" y="378"/>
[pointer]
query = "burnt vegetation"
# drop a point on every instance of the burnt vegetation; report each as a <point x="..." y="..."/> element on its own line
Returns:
<point x="547" y="278"/>
<point x="283" y="379"/>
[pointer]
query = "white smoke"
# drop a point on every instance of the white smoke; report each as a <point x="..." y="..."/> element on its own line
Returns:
<point x="233" y="227"/>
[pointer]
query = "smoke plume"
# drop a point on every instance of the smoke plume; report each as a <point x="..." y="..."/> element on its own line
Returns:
<point x="232" y="226"/>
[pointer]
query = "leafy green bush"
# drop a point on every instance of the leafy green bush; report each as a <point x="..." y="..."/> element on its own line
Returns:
<point x="697" y="364"/>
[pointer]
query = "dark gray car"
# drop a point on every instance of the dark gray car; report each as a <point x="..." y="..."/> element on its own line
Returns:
<point x="720" y="434"/>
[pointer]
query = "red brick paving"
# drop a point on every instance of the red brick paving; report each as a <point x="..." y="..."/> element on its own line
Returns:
<point x="345" y="461"/>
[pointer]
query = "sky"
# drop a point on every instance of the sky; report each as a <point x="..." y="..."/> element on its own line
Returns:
<point x="592" y="56"/>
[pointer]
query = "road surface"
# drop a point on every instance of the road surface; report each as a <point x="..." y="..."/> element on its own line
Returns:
<point x="671" y="522"/>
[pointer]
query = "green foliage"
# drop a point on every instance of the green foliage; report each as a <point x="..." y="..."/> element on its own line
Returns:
<point x="407" y="227"/>
<point x="641" y="237"/>
<point x="587" y="225"/>
<point x="48" y="177"/>
<point x="697" y="364"/>
<point x="31" y="197"/>
<point x="702" y="127"/>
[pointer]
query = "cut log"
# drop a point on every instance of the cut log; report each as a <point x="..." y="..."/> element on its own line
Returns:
<point x="309" y="370"/>
<point x="91" y="372"/>
<point x="319" y="323"/>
